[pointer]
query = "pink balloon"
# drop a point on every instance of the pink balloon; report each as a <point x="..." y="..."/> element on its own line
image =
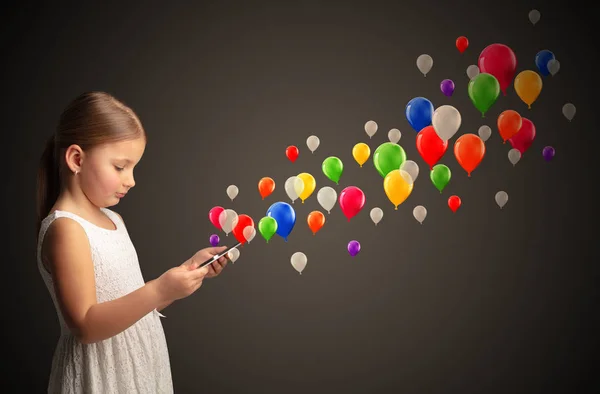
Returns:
<point x="500" y="61"/>
<point x="352" y="200"/>
<point x="524" y="137"/>
<point x="213" y="215"/>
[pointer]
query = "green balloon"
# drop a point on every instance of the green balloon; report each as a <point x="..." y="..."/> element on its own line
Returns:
<point x="388" y="157"/>
<point x="267" y="227"/>
<point x="484" y="89"/>
<point x="440" y="176"/>
<point x="333" y="168"/>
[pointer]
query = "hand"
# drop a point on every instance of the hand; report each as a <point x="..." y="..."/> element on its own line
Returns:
<point x="215" y="268"/>
<point x="180" y="282"/>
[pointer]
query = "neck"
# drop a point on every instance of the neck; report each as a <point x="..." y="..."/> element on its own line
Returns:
<point x="73" y="199"/>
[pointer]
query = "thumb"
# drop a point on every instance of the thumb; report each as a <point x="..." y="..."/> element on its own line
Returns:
<point x="216" y="249"/>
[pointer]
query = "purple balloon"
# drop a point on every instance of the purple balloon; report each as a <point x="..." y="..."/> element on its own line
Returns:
<point x="214" y="240"/>
<point x="548" y="153"/>
<point x="447" y="87"/>
<point x="353" y="248"/>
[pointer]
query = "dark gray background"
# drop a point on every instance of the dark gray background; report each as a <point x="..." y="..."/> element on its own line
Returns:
<point x="483" y="300"/>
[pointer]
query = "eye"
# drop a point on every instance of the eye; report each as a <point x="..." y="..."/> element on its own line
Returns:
<point x="119" y="168"/>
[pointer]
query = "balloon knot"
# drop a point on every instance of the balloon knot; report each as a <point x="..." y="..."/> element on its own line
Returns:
<point x="395" y="208"/>
<point x="302" y="201"/>
<point x="529" y="106"/>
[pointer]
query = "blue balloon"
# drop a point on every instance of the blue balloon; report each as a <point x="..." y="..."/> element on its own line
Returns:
<point x="419" y="112"/>
<point x="285" y="216"/>
<point x="541" y="61"/>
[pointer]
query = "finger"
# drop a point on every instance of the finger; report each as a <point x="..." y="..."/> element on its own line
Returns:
<point x="216" y="249"/>
<point x="199" y="273"/>
<point x="196" y="286"/>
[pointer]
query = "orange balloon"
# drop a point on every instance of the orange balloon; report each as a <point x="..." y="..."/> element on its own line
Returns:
<point x="509" y="124"/>
<point x="315" y="220"/>
<point x="266" y="186"/>
<point x="469" y="150"/>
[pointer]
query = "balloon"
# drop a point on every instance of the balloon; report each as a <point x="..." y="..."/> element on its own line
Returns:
<point x="232" y="191"/>
<point x="249" y="233"/>
<point x="376" y="215"/>
<point x="387" y="157"/>
<point x="501" y="199"/>
<point x="462" y="43"/>
<point x="309" y="185"/>
<point x="469" y="150"/>
<point x="541" y="61"/>
<point x="412" y="168"/>
<point x="228" y="219"/>
<point x="292" y="153"/>
<point x="569" y="111"/>
<point x="313" y="143"/>
<point x="447" y="87"/>
<point x="509" y="124"/>
<point x="315" y="220"/>
<point x="483" y="91"/>
<point x="361" y="153"/>
<point x="294" y="187"/>
<point x="419" y="112"/>
<point x="420" y="213"/>
<point x="472" y="71"/>
<point x="327" y="197"/>
<point x="446" y="121"/>
<point x="352" y="200"/>
<point x="267" y="226"/>
<point x="371" y="128"/>
<point x="500" y="61"/>
<point x="233" y="254"/>
<point x="214" y="240"/>
<point x="430" y="146"/>
<point x="266" y="186"/>
<point x="299" y="260"/>
<point x="394" y="135"/>
<point x="213" y="216"/>
<point x="553" y="66"/>
<point x="440" y="176"/>
<point x="353" y="248"/>
<point x="485" y="132"/>
<point x="454" y="202"/>
<point x="424" y="64"/>
<point x="397" y="185"/>
<point x="548" y="153"/>
<point x="242" y="222"/>
<point x="285" y="216"/>
<point x="514" y="155"/>
<point x="524" y="138"/>
<point x="534" y="16"/>
<point x="333" y="168"/>
<point x="528" y="85"/>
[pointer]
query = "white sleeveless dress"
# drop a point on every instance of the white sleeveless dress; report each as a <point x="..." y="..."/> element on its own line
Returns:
<point x="133" y="361"/>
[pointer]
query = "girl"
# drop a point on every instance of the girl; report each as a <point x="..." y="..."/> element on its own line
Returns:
<point x="112" y="339"/>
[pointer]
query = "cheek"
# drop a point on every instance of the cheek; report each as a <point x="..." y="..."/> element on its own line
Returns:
<point x="107" y="180"/>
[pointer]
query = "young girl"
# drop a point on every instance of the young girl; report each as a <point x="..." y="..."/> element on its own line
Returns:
<point x="112" y="339"/>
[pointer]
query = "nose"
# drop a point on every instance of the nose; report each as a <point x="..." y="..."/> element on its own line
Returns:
<point x="130" y="181"/>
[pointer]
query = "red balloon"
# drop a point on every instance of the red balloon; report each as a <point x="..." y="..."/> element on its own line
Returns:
<point x="242" y="222"/>
<point x="500" y="61"/>
<point x="454" y="203"/>
<point x="352" y="200"/>
<point x="462" y="43"/>
<point x="213" y="215"/>
<point x="292" y="153"/>
<point x="524" y="137"/>
<point x="430" y="146"/>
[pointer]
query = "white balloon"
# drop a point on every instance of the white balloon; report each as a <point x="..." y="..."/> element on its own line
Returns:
<point x="228" y="219"/>
<point x="420" y="213"/>
<point x="534" y="16"/>
<point x="327" y="196"/>
<point x="568" y="111"/>
<point x="514" y="155"/>
<point x="501" y="199"/>
<point x="313" y="143"/>
<point x="472" y="71"/>
<point x="376" y="215"/>
<point x="553" y="66"/>
<point x="412" y="168"/>
<point x="424" y="64"/>
<point x="299" y="261"/>
<point x="233" y="255"/>
<point x="446" y="121"/>
<point x="232" y="191"/>
<point x="294" y="187"/>
<point x="394" y="135"/>
<point x="485" y="132"/>
<point x="249" y="233"/>
<point x="371" y="128"/>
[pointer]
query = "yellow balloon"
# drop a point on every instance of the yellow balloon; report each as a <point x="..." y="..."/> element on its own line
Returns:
<point x="361" y="153"/>
<point x="309" y="185"/>
<point x="398" y="185"/>
<point x="528" y="85"/>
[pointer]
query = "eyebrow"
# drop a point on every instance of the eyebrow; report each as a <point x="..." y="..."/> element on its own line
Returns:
<point x="124" y="159"/>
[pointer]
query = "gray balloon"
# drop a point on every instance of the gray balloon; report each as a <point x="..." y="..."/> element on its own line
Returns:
<point x="514" y="155"/>
<point x="568" y="111"/>
<point x="501" y="199"/>
<point x="553" y="66"/>
<point x="534" y="16"/>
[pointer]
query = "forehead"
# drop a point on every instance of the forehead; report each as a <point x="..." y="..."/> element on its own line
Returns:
<point x="128" y="149"/>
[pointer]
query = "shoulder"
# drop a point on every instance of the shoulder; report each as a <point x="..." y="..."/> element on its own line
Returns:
<point x="114" y="213"/>
<point x="64" y="237"/>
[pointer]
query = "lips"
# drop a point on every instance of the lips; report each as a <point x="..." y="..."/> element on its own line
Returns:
<point x="121" y="195"/>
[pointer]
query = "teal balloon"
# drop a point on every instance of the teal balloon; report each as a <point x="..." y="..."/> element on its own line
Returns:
<point x="484" y="90"/>
<point x="388" y="157"/>
<point x="440" y="176"/>
<point x="333" y="168"/>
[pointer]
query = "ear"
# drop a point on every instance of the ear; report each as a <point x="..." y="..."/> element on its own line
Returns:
<point x="74" y="157"/>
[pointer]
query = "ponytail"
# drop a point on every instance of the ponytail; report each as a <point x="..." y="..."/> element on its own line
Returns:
<point x="48" y="185"/>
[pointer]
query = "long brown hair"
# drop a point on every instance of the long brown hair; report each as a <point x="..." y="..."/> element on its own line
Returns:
<point x="91" y="119"/>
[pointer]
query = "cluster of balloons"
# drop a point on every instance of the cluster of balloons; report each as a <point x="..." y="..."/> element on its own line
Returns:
<point x="228" y="221"/>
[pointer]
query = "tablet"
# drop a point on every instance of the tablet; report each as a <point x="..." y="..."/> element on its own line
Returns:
<point x="219" y="255"/>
